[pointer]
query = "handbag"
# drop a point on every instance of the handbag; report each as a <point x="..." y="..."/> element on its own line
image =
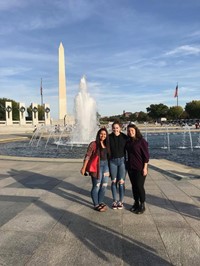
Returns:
<point x="92" y="164"/>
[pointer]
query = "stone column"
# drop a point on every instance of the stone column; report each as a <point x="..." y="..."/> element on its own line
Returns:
<point x="62" y="84"/>
<point x="34" y="108"/>
<point x="22" y="117"/>
<point x="8" y="109"/>
<point x="47" y="114"/>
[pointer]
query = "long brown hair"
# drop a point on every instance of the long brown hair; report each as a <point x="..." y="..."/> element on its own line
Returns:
<point x="138" y="134"/>
<point x="106" y="142"/>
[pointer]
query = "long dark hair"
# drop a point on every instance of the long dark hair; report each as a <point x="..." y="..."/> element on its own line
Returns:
<point x="138" y="134"/>
<point x="105" y="142"/>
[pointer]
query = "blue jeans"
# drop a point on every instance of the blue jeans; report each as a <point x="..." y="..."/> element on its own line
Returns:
<point x="118" y="174"/>
<point x="99" y="185"/>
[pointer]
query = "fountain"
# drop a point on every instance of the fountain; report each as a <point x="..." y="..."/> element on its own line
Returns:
<point x="166" y="140"/>
<point x="198" y="142"/>
<point x="145" y="131"/>
<point x="85" y="109"/>
<point x="186" y="133"/>
<point x="82" y="132"/>
<point x="49" y="136"/>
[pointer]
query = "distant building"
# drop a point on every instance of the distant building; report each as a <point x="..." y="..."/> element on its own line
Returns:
<point x="127" y="114"/>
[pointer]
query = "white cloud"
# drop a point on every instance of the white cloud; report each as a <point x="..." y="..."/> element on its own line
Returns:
<point x="185" y="50"/>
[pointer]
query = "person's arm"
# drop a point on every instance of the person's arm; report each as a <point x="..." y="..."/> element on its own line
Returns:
<point x="83" y="169"/>
<point x="90" y="149"/>
<point x="145" y="151"/>
<point x="145" y="169"/>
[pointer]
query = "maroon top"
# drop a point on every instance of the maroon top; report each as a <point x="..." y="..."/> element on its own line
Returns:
<point x="138" y="153"/>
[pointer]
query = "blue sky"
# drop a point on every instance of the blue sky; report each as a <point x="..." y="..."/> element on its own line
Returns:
<point x="133" y="52"/>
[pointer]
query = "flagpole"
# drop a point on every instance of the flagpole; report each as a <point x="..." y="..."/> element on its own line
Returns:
<point x="177" y="94"/>
<point x="41" y="93"/>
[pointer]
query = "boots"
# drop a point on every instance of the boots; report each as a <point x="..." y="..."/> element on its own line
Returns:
<point x="141" y="209"/>
<point x="135" y="206"/>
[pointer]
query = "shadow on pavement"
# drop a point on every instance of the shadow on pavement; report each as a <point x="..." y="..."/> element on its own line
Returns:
<point x="98" y="238"/>
<point x="174" y="174"/>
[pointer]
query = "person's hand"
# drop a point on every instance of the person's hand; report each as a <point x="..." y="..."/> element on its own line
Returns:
<point x="82" y="171"/>
<point x="145" y="171"/>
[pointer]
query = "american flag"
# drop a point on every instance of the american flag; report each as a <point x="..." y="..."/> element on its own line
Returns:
<point x="176" y="91"/>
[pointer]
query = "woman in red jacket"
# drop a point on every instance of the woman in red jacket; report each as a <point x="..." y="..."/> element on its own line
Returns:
<point x="96" y="163"/>
<point x="138" y="158"/>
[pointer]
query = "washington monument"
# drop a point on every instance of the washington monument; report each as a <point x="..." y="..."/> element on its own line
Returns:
<point x="62" y="83"/>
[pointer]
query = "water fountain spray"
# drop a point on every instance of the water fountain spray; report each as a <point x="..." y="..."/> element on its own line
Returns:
<point x="85" y="110"/>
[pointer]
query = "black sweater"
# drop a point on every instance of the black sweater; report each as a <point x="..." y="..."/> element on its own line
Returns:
<point x="117" y="145"/>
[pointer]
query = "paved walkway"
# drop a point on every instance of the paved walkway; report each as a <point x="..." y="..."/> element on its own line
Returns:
<point x="47" y="217"/>
<point x="13" y="137"/>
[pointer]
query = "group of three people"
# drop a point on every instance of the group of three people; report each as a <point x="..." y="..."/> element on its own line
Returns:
<point x="112" y="155"/>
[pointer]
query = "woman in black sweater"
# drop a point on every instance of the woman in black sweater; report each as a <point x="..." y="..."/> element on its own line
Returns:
<point x="138" y="158"/>
<point x="117" y="164"/>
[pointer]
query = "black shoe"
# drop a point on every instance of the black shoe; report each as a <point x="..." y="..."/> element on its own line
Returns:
<point x="135" y="207"/>
<point x="141" y="209"/>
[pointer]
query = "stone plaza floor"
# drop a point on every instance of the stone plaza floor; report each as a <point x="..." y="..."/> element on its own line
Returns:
<point x="47" y="217"/>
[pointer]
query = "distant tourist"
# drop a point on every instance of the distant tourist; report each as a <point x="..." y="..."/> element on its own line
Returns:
<point x="138" y="158"/>
<point x="57" y="128"/>
<point x="35" y="128"/>
<point x="96" y="164"/>
<point x="197" y="124"/>
<point x="117" y="164"/>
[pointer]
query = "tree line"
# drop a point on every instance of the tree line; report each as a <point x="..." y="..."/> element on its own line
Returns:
<point x="157" y="111"/>
<point x="154" y="112"/>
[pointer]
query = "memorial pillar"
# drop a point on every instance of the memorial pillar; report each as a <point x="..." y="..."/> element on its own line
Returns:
<point x="47" y="114"/>
<point x="34" y="108"/>
<point x="22" y="118"/>
<point x="8" y="109"/>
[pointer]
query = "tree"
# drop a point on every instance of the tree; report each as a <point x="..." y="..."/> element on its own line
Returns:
<point x="115" y="118"/>
<point x="142" y="117"/>
<point x="156" y="111"/>
<point x="184" y="115"/>
<point x="15" y="109"/>
<point x="193" y="109"/>
<point x="40" y="112"/>
<point x="175" y="112"/>
<point x="133" y="117"/>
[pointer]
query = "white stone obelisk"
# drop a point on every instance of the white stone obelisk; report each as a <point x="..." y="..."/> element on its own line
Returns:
<point x="62" y="83"/>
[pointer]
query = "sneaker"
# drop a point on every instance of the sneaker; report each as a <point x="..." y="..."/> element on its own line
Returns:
<point x="120" y="205"/>
<point x="114" y="205"/>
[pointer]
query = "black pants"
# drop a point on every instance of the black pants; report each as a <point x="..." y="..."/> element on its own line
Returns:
<point x="137" y="182"/>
